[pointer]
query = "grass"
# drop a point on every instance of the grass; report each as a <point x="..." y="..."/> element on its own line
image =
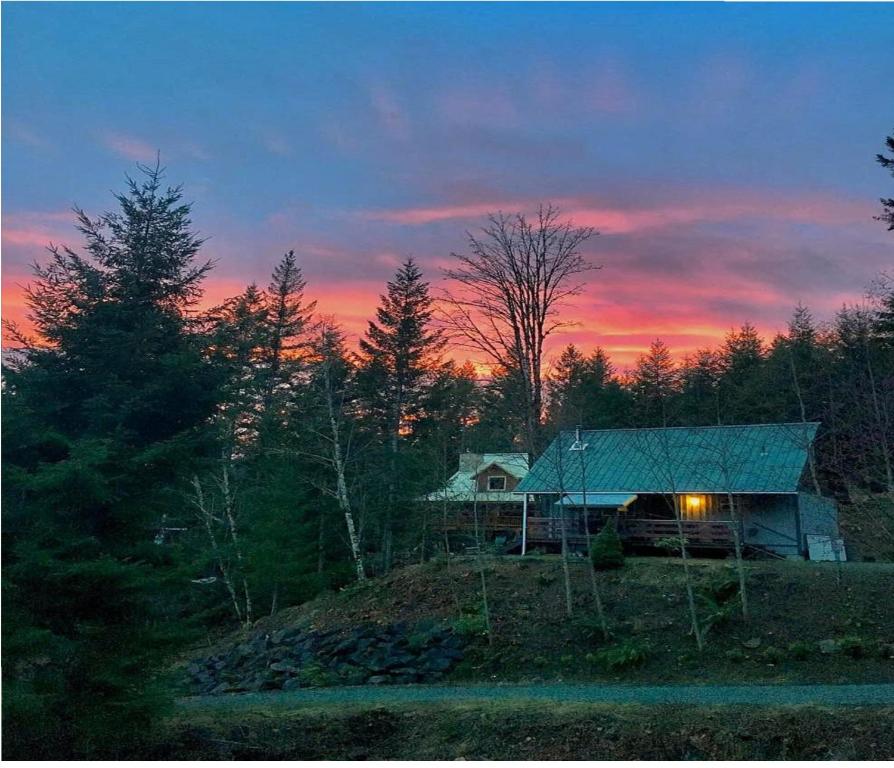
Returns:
<point x="793" y="606"/>
<point x="526" y="732"/>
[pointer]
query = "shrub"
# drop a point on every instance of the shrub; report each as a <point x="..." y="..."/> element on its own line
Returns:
<point x="315" y="676"/>
<point x="855" y="647"/>
<point x="624" y="655"/>
<point x="606" y="551"/>
<point x="545" y="579"/>
<point x="723" y="587"/>
<point x="799" y="650"/>
<point x="735" y="655"/>
<point x="772" y="655"/>
<point x="471" y="625"/>
<point x="589" y="625"/>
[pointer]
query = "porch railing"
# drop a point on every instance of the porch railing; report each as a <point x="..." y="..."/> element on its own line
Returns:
<point x="643" y="532"/>
<point x="636" y="531"/>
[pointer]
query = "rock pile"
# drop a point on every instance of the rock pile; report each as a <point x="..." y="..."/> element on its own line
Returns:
<point x="294" y="658"/>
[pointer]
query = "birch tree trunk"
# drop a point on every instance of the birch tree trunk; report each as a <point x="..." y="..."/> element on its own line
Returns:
<point x="690" y="594"/>
<point x="594" y="582"/>
<point x="485" y="604"/>
<point x="341" y="485"/>
<point x="231" y="524"/>
<point x="207" y="519"/>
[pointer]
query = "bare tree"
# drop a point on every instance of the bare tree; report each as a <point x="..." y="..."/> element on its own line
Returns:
<point x="329" y="372"/>
<point x="729" y="459"/>
<point x="506" y="292"/>
<point x="479" y="557"/>
<point x="583" y="461"/>
<point x="655" y="445"/>
<point x="211" y="521"/>
<point x="555" y="457"/>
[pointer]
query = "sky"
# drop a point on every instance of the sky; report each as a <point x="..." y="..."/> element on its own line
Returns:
<point x="725" y="153"/>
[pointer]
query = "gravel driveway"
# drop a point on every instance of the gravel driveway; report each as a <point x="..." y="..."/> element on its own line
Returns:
<point x="580" y="693"/>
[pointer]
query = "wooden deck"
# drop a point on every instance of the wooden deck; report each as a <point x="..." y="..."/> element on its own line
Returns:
<point x="636" y="532"/>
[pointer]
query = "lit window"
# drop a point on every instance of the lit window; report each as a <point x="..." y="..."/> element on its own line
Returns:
<point x="496" y="483"/>
<point x="694" y="505"/>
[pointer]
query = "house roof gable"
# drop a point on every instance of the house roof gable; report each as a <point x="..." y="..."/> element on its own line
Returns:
<point x="462" y="486"/>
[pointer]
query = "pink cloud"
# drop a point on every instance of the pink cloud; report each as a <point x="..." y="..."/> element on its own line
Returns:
<point x="129" y="147"/>
<point x="613" y="219"/>
<point x="430" y="215"/>
<point x="33" y="228"/>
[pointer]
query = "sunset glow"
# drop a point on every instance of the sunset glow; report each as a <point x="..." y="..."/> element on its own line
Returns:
<point x="723" y="180"/>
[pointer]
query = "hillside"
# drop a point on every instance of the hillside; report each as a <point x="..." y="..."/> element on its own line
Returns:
<point x="802" y="627"/>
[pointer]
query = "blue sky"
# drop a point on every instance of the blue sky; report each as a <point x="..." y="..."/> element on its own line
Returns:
<point x="724" y="151"/>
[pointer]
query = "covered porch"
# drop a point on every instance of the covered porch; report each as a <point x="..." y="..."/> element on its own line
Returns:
<point x="641" y="520"/>
<point x="637" y="532"/>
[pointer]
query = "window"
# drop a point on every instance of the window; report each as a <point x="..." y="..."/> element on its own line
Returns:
<point x="694" y="507"/>
<point x="496" y="483"/>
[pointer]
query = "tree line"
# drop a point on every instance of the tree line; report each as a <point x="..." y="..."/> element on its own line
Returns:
<point x="172" y="470"/>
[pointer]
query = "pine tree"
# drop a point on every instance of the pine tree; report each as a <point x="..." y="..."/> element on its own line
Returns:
<point x="288" y="319"/>
<point x="887" y="202"/>
<point x="699" y="381"/>
<point x="742" y="386"/>
<point x="654" y="381"/>
<point x="606" y="551"/>
<point x="400" y="355"/>
<point x="110" y="400"/>
<point x="583" y="391"/>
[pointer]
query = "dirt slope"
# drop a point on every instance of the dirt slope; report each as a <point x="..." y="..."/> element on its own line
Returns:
<point x="795" y="606"/>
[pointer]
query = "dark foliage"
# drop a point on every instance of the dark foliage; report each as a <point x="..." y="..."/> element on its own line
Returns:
<point x="606" y="551"/>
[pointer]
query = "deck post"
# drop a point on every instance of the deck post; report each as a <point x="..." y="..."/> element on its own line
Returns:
<point x="524" y="547"/>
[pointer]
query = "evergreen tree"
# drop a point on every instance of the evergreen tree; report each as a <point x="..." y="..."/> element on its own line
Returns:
<point x="239" y="338"/>
<point x="108" y="404"/>
<point x="699" y="382"/>
<point x="741" y="384"/>
<point x="498" y="424"/>
<point x="653" y="383"/>
<point x="287" y="322"/>
<point x="607" y="552"/>
<point x="400" y="356"/>
<point x="887" y="202"/>
<point x="583" y="390"/>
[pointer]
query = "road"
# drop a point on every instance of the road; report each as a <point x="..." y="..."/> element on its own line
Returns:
<point x="566" y="693"/>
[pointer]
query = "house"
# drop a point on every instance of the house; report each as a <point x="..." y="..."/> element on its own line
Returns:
<point x="479" y="499"/>
<point x="754" y="479"/>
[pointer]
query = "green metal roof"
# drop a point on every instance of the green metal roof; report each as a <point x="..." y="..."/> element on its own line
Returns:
<point x="757" y="458"/>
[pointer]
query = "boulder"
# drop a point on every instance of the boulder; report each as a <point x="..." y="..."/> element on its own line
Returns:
<point x="829" y="647"/>
<point x="282" y="666"/>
